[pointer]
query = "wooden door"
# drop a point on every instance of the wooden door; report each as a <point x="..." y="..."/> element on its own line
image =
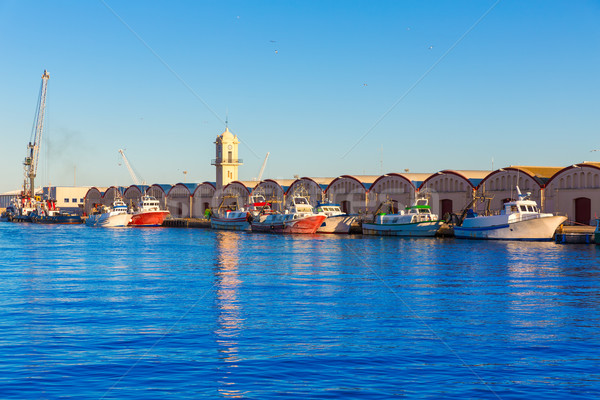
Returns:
<point x="583" y="210"/>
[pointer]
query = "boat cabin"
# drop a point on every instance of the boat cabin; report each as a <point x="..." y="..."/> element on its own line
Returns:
<point x="258" y="206"/>
<point x="300" y="205"/>
<point x="418" y="212"/>
<point x="149" y="203"/>
<point x="329" y="209"/>
<point x="524" y="205"/>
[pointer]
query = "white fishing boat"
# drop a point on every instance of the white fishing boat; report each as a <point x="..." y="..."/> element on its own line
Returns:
<point x="231" y="220"/>
<point x="337" y="221"/>
<point x="239" y="220"/>
<point x="414" y="221"/>
<point x="518" y="220"/>
<point x="116" y="215"/>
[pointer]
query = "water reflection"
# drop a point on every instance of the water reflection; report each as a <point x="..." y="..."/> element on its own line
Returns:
<point x="229" y="320"/>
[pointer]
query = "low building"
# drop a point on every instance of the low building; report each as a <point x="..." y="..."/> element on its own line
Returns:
<point x="574" y="191"/>
<point x="68" y="198"/>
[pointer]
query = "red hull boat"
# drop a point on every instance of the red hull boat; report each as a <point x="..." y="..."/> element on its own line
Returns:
<point x="148" y="213"/>
<point x="277" y="225"/>
<point x="149" y="218"/>
<point x="300" y="218"/>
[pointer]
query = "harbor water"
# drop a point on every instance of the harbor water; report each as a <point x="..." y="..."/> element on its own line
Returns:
<point x="158" y="313"/>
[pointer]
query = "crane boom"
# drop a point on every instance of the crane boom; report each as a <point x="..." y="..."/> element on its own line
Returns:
<point x="135" y="178"/>
<point x="32" y="158"/>
<point x="262" y="169"/>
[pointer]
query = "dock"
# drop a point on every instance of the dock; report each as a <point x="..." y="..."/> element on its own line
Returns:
<point x="575" y="235"/>
<point x="187" y="223"/>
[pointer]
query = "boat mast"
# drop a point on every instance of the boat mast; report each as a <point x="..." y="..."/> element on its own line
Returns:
<point x="33" y="148"/>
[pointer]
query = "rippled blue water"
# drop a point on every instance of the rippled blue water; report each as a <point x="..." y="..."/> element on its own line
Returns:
<point x="93" y="313"/>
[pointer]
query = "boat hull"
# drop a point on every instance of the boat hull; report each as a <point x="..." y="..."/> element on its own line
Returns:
<point x="418" y="229"/>
<point x="19" y="218"/>
<point x="148" y="218"/>
<point x="230" y="224"/>
<point x="306" y="225"/>
<point x="58" y="219"/>
<point x="337" y="224"/>
<point x="531" y="229"/>
<point x="106" y="220"/>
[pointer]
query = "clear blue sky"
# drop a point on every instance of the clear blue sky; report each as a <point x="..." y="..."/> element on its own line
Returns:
<point x="303" y="80"/>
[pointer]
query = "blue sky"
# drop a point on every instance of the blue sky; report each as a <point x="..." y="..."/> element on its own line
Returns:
<point x="327" y="87"/>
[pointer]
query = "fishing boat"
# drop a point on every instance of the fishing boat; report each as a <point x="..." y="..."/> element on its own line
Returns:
<point x="239" y="220"/>
<point x="298" y="218"/>
<point x="337" y="221"/>
<point x="116" y="215"/>
<point x="148" y="213"/>
<point x="231" y="220"/>
<point x="47" y="212"/>
<point x="518" y="220"/>
<point x="414" y="221"/>
<point x="21" y="208"/>
<point x="7" y="215"/>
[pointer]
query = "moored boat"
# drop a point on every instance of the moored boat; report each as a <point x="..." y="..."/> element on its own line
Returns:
<point x="597" y="232"/>
<point x="239" y="220"/>
<point x="47" y="212"/>
<point x="115" y="216"/>
<point x="414" y="221"/>
<point x="337" y="221"/>
<point x="8" y="214"/>
<point x="21" y="209"/>
<point x="518" y="220"/>
<point x="148" y="213"/>
<point x="231" y="220"/>
<point x="299" y="218"/>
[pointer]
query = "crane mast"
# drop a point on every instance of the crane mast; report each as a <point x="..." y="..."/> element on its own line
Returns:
<point x="262" y="169"/>
<point x="136" y="180"/>
<point x="33" y="148"/>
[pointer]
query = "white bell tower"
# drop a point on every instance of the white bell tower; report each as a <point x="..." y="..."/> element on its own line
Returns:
<point x="227" y="160"/>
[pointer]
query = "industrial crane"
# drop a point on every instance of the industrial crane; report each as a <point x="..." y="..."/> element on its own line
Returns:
<point x="135" y="178"/>
<point x="262" y="169"/>
<point x="33" y="148"/>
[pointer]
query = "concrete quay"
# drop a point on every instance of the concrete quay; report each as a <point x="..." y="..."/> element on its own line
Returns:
<point x="575" y="235"/>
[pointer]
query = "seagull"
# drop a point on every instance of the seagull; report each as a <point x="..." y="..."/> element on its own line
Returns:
<point x="430" y="47"/>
